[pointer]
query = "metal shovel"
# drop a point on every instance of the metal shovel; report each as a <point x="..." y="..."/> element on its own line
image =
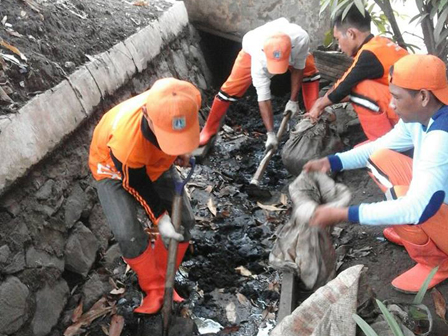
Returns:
<point x="172" y="249"/>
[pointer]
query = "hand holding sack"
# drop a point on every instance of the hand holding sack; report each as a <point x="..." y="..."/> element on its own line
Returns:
<point x="308" y="141"/>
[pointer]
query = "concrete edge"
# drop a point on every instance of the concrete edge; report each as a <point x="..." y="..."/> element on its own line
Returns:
<point x="28" y="136"/>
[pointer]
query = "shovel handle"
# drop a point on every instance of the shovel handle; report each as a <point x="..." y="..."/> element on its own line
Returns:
<point x="264" y="162"/>
<point x="176" y="212"/>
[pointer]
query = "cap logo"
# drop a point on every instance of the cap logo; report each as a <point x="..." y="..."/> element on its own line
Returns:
<point x="179" y="123"/>
<point x="277" y="54"/>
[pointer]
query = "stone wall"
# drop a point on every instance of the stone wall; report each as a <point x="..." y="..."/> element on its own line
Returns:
<point x="53" y="235"/>
<point x="234" y="18"/>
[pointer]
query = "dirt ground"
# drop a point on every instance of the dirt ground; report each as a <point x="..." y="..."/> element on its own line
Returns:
<point x="225" y="277"/>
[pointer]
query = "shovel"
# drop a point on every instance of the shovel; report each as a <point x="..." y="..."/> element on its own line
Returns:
<point x="254" y="187"/>
<point x="172" y="249"/>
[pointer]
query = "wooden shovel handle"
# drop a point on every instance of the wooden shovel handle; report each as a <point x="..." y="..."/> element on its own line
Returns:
<point x="264" y="162"/>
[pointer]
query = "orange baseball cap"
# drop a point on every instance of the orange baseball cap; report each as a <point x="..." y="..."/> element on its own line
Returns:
<point x="277" y="48"/>
<point x="417" y="72"/>
<point x="172" y="106"/>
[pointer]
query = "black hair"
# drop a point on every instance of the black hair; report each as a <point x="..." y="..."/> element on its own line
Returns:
<point x="353" y="19"/>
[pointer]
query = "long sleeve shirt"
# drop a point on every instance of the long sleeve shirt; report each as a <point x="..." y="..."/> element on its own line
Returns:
<point x="428" y="189"/>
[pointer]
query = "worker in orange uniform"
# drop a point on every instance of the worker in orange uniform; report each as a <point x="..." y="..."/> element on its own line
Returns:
<point x="365" y="83"/>
<point x="132" y="153"/>
<point x="267" y="50"/>
<point x="416" y="189"/>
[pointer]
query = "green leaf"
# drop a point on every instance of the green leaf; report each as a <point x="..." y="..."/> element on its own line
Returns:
<point x="345" y="12"/>
<point x="328" y="39"/>
<point x="416" y="17"/>
<point x="360" y="5"/>
<point x="443" y="38"/>
<point x="390" y="319"/>
<point x="339" y="7"/>
<point x="441" y="20"/>
<point x="324" y="4"/>
<point x="417" y="314"/>
<point x="364" y="326"/>
<point x="419" y="4"/>
<point x="421" y="293"/>
<point x="442" y="4"/>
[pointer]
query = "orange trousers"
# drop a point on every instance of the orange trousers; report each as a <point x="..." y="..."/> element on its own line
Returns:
<point x="371" y="101"/>
<point x="393" y="173"/>
<point x="240" y="78"/>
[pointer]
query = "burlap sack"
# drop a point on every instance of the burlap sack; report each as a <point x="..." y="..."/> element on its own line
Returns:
<point x="307" y="141"/>
<point x="308" y="251"/>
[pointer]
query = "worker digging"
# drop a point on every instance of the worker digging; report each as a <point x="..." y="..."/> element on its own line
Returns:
<point x="189" y="168"/>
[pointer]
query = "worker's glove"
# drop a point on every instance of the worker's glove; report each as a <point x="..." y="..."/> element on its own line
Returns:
<point x="167" y="231"/>
<point x="292" y="106"/>
<point x="271" y="142"/>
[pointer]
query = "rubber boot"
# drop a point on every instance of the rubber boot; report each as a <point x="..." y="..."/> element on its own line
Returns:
<point x="149" y="280"/>
<point x="162" y="262"/>
<point x="217" y="112"/>
<point x="427" y="257"/>
<point x="310" y="93"/>
<point x="391" y="235"/>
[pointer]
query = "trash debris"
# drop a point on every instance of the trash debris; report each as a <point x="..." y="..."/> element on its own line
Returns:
<point x="439" y="303"/>
<point x="207" y="326"/>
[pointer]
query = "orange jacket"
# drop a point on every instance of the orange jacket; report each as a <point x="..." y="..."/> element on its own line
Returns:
<point x="119" y="133"/>
<point x="372" y="61"/>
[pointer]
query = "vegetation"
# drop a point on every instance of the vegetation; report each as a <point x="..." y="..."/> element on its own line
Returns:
<point x="432" y="17"/>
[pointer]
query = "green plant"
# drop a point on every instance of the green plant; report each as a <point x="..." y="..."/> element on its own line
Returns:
<point x="433" y="17"/>
<point x="395" y="328"/>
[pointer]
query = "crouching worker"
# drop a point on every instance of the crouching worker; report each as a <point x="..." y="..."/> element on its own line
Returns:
<point x="416" y="189"/>
<point x="132" y="153"/>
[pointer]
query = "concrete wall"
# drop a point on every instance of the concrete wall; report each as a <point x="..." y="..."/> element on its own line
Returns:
<point x="53" y="234"/>
<point x="237" y="17"/>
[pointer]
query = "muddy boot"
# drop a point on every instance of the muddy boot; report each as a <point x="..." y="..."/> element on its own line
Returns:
<point x="391" y="235"/>
<point x="162" y="261"/>
<point x="217" y="112"/>
<point x="427" y="257"/>
<point x="149" y="280"/>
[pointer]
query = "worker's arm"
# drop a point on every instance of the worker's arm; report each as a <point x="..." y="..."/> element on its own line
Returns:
<point x="137" y="182"/>
<point x="296" y="83"/>
<point x="325" y="216"/>
<point x="268" y="119"/>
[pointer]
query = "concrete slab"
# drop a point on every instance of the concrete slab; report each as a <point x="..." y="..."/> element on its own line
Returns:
<point x="123" y="61"/>
<point x="37" y="129"/>
<point x="145" y="45"/>
<point x="173" y="21"/>
<point x="287" y="296"/>
<point x="86" y="89"/>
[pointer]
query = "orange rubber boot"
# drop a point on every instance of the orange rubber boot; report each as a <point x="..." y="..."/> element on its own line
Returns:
<point x="427" y="257"/>
<point x="391" y="235"/>
<point x="310" y="93"/>
<point x="217" y="112"/>
<point x="162" y="262"/>
<point x="149" y="280"/>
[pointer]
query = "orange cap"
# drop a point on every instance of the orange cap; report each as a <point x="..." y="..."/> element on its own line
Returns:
<point x="277" y="48"/>
<point x="417" y="72"/>
<point x="173" y="107"/>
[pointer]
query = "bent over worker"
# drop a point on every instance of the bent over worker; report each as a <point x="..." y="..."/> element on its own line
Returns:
<point x="365" y="83"/>
<point x="267" y="50"/>
<point x="416" y="189"/>
<point x="132" y="153"/>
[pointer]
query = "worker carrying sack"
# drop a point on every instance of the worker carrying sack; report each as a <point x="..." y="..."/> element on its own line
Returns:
<point x="309" y="141"/>
<point x="308" y="250"/>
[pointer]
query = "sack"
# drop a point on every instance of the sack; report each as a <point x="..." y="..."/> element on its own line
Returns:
<point x="309" y="141"/>
<point x="308" y="250"/>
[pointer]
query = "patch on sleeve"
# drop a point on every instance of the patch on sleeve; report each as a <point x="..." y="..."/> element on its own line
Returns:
<point x="433" y="206"/>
